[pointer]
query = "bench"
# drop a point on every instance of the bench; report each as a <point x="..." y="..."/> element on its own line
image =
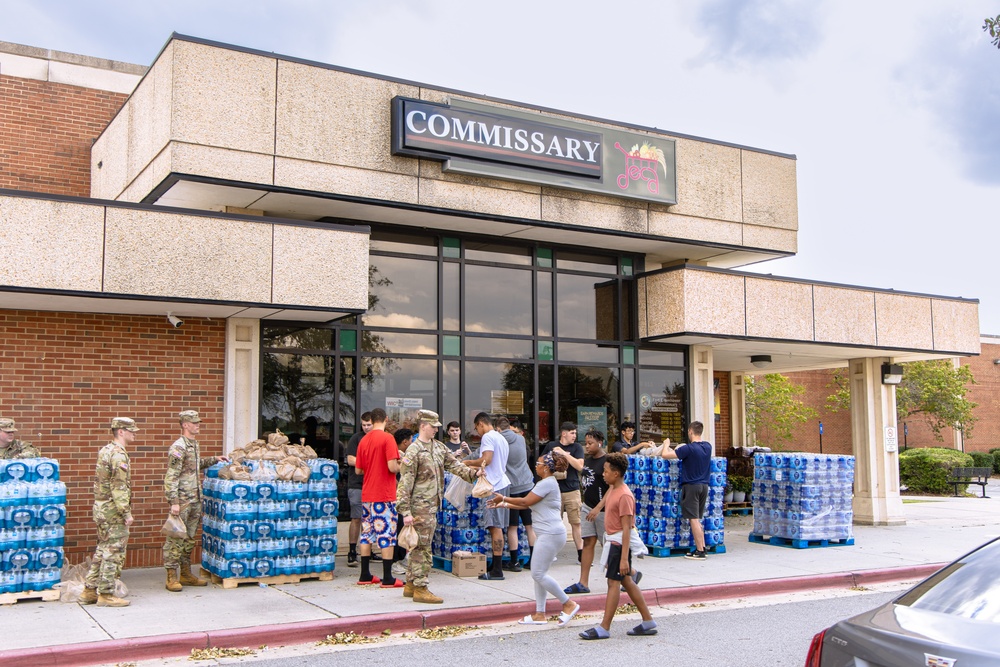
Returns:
<point x="961" y="477"/>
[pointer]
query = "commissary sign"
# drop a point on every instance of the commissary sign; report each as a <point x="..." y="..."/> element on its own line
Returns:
<point x="482" y="140"/>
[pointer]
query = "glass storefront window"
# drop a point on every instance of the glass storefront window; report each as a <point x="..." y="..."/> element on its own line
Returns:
<point x="301" y="338"/>
<point x="401" y="387"/>
<point x="486" y="251"/>
<point x="589" y="397"/>
<point x="410" y="244"/>
<point x="392" y="342"/>
<point x="581" y="262"/>
<point x="602" y="354"/>
<point x="544" y="303"/>
<point x="507" y="348"/>
<point x="298" y="398"/>
<point x="402" y="292"/>
<point x="497" y="300"/>
<point x="499" y="389"/>
<point x="451" y="302"/>
<point x="451" y="394"/>
<point x="648" y="357"/>
<point x="662" y="405"/>
<point x="586" y="306"/>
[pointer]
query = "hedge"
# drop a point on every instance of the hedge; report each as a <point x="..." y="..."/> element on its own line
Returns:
<point x="984" y="460"/>
<point x="996" y="460"/>
<point x="925" y="469"/>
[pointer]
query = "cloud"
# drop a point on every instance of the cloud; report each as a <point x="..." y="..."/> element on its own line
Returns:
<point x="759" y="31"/>
<point x="955" y="74"/>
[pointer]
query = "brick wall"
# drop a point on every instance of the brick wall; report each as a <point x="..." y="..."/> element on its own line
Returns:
<point x="65" y="375"/>
<point x="836" y="425"/>
<point x="986" y="392"/>
<point x="723" y="423"/>
<point x="46" y="131"/>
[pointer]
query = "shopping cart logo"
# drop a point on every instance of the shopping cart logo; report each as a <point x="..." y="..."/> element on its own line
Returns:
<point x="642" y="164"/>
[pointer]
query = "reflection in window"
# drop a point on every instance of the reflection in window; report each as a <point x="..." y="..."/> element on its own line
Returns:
<point x="450" y="392"/>
<point x="497" y="300"/>
<point x="301" y="338"/>
<point x="586" y="306"/>
<point x="968" y="588"/>
<point x="648" y="357"/>
<point x="499" y="389"/>
<point x="662" y="405"/>
<point x="491" y="252"/>
<point x="508" y="348"/>
<point x="391" y="242"/>
<point x="399" y="343"/>
<point x="592" y="263"/>
<point x="402" y="292"/>
<point x="401" y="387"/>
<point x="588" y="397"/>
<point x="544" y="305"/>
<point x="602" y="354"/>
<point x="298" y="397"/>
<point x="451" y="303"/>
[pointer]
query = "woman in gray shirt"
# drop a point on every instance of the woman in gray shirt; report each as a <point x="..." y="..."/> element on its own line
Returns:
<point x="545" y="502"/>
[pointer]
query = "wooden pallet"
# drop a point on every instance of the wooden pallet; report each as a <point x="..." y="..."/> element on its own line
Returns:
<point x="278" y="580"/>
<point x="673" y="552"/>
<point x="800" y="544"/>
<point x="50" y="595"/>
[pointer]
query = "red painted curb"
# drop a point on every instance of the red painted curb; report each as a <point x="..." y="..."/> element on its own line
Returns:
<point x="159" y="646"/>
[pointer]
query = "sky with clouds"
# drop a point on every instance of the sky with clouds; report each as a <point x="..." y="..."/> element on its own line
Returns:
<point x="892" y="107"/>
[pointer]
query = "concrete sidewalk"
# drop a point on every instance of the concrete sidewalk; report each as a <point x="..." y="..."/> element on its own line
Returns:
<point x="159" y="623"/>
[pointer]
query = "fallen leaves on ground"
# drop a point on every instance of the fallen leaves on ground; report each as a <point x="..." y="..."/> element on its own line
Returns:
<point x="626" y="609"/>
<point x="698" y="604"/>
<point x="446" y="631"/>
<point x="215" y="653"/>
<point x="341" y="638"/>
<point x="860" y="588"/>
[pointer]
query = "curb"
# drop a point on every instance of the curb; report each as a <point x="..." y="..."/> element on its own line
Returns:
<point x="284" y="634"/>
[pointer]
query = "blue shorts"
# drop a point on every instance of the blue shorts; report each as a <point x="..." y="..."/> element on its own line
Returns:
<point x="378" y="524"/>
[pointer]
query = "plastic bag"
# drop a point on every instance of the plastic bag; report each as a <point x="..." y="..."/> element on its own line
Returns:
<point x="408" y="538"/>
<point x="482" y="488"/>
<point x="457" y="492"/>
<point x="174" y="527"/>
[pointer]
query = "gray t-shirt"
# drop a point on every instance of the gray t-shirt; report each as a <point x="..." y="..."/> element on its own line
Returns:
<point x="518" y="471"/>
<point x="546" y="516"/>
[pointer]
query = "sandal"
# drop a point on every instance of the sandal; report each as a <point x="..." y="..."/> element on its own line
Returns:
<point x="528" y="620"/>
<point x="637" y="577"/>
<point x="592" y="634"/>
<point x="576" y="589"/>
<point x="641" y="631"/>
<point x="398" y="583"/>
<point x="375" y="580"/>
<point x="565" y="618"/>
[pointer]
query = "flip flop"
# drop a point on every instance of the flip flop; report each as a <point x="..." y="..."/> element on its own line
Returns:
<point x="375" y="580"/>
<point x="576" y="589"/>
<point x="641" y="631"/>
<point x="592" y="634"/>
<point x="398" y="584"/>
<point x="565" y="618"/>
<point x="528" y="620"/>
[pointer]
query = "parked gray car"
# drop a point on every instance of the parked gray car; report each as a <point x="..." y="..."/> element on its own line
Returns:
<point x="952" y="618"/>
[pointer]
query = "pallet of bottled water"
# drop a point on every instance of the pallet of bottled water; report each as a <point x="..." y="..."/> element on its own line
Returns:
<point x="267" y="527"/>
<point x="655" y="483"/>
<point x="465" y="530"/>
<point x="803" y="500"/>
<point x="32" y="525"/>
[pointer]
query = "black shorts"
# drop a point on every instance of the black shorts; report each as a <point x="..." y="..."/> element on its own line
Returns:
<point x="615" y="561"/>
<point x="693" y="499"/>
<point x="524" y="515"/>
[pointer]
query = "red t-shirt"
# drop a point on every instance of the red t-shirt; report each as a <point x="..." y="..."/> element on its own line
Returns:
<point x="375" y="451"/>
<point x="620" y="502"/>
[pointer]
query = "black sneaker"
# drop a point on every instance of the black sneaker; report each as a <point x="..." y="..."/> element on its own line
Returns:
<point x="696" y="555"/>
<point x="376" y="557"/>
<point x="352" y="560"/>
<point x="512" y="566"/>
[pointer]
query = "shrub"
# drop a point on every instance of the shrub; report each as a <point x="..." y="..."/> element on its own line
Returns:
<point x="926" y="469"/>
<point x="996" y="460"/>
<point x="984" y="460"/>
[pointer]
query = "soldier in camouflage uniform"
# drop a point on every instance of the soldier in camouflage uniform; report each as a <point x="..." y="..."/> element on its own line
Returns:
<point x="113" y="516"/>
<point x="418" y="498"/>
<point x="10" y="447"/>
<point x="182" y="485"/>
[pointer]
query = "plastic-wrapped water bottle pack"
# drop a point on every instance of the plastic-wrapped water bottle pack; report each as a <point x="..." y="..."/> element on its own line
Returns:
<point x="32" y="524"/>
<point x="803" y="496"/>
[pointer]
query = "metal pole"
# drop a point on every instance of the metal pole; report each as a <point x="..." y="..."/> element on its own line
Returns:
<point x="821" y="437"/>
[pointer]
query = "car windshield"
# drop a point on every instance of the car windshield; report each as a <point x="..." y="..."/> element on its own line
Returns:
<point x="969" y="588"/>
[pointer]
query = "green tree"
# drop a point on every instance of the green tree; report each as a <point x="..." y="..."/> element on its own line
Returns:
<point x="774" y="408"/>
<point x="992" y="26"/>
<point x="935" y="391"/>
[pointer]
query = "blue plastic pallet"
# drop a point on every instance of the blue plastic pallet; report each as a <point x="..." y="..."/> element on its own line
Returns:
<point x="738" y="511"/>
<point x="669" y="552"/>
<point x="800" y="544"/>
<point x="439" y="563"/>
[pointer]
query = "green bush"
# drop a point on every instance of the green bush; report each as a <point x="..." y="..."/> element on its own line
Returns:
<point x="996" y="460"/>
<point x="926" y="469"/>
<point x="984" y="460"/>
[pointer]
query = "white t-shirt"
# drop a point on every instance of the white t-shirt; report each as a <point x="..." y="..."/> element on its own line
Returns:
<point x="496" y="471"/>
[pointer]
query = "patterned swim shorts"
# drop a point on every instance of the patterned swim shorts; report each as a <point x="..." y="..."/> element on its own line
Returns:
<point x="378" y="524"/>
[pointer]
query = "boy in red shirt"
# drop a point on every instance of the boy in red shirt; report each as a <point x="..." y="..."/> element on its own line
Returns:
<point x="378" y="460"/>
<point x="619" y="515"/>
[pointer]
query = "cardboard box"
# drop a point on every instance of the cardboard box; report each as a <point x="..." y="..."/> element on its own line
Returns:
<point x="468" y="564"/>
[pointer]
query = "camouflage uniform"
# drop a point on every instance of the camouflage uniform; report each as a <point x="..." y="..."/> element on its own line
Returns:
<point x="182" y="485"/>
<point x="419" y="493"/>
<point x="20" y="450"/>
<point x="112" y="503"/>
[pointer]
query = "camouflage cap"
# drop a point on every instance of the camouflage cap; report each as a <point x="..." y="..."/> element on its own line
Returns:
<point x="189" y="416"/>
<point x="125" y="423"/>
<point x="429" y="417"/>
<point x="7" y="425"/>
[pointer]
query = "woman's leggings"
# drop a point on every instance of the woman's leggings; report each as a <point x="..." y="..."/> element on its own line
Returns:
<point x="547" y="546"/>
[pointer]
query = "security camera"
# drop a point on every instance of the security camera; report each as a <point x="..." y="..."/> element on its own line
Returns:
<point x="175" y="321"/>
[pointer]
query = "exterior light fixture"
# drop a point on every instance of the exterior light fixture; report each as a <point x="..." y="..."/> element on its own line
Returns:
<point x="892" y="373"/>
<point x="761" y="360"/>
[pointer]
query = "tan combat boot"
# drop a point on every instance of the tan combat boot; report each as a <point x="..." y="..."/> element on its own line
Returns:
<point x="421" y="594"/>
<point x="408" y="589"/>
<point x="173" y="585"/>
<point x="111" y="601"/>
<point x="189" y="579"/>
<point x="88" y="596"/>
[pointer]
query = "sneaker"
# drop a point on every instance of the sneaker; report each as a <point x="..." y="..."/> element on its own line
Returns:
<point x="399" y="569"/>
<point x="512" y="566"/>
<point x="376" y="557"/>
<point x="352" y="560"/>
<point x="696" y="555"/>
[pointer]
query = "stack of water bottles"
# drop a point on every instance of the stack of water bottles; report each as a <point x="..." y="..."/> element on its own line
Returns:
<point x="268" y="527"/>
<point x="32" y="524"/>
<point x="655" y="483"/>
<point x="465" y="530"/>
<point x="803" y="496"/>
